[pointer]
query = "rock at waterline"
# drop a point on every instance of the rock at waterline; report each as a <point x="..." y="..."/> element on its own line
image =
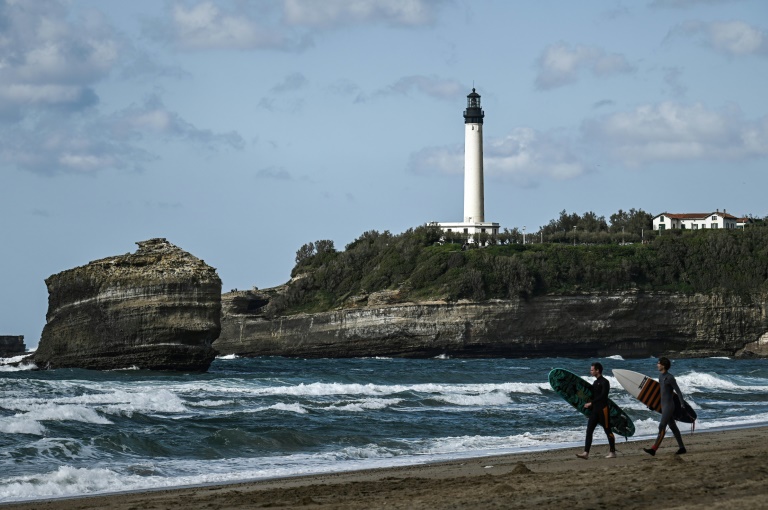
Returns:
<point x="157" y="309"/>
<point x="12" y="345"/>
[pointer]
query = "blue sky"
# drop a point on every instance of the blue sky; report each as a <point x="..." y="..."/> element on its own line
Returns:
<point x="240" y="130"/>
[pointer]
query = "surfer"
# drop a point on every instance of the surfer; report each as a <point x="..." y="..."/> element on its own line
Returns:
<point x="600" y="412"/>
<point x="668" y="386"/>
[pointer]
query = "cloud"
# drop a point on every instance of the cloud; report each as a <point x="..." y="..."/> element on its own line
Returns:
<point x="344" y="87"/>
<point x="91" y="145"/>
<point x="335" y="13"/>
<point x="734" y="38"/>
<point x="207" y="25"/>
<point x="18" y="99"/>
<point x="273" y="172"/>
<point x="153" y="118"/>
<point x="50" y="61"/>
<point x="51" y="148"/>
<point x="677" y="132"/>
<point x="287" y="25"/>
<point x="672" y="79"/>
<point x="562" y="64"/>
<point x="603" y="103"/>
<point x="290" y="83"/>
<point x="279" y="102"/>
<point x="281" y="105"/>
<point x="445" y="160"/>
<point x="525" y="157"/>
<point x="428" y="85"/>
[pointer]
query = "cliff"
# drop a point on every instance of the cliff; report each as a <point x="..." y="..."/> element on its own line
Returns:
<point x="158" y="308"/>
<point x="631" y="324"/>
<point x="12" y="345"/>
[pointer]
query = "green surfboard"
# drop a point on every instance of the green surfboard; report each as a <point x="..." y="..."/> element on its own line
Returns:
<point x="577" y="392"/>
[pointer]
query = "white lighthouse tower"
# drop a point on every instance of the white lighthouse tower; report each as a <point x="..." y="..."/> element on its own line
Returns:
<point x="474" y="187"/>
<point x="474" y="193"/>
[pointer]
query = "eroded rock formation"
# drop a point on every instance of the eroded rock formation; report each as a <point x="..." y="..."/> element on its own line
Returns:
<point x="11" y="345"/>
<point x="631" y="324"/>
<point x="158" y="308"/>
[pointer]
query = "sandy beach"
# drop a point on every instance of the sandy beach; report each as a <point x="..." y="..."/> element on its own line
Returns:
<point x="722" y="469"/>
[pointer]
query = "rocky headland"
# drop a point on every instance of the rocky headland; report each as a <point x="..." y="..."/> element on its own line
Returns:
<point x="626" y="323"/>
<point x="158" y="308"/>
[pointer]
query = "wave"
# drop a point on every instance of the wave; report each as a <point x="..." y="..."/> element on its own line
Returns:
<point x="332" y="389"/>
<point x="696" y="381"/>
<point x="111" y="402"/>
<point x="294" y="408"/>
<point x="485" y="399"/>
<point x="21" y="425"/>
<point x="365" y="405"/>
<point x="87" y="408"/>
<point x="22" y="367"/>
<point x="67" y="481"/>
<point x="29" y="422"/>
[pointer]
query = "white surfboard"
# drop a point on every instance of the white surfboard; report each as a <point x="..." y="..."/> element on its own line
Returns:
<point x="648" y="391"/>
<point x="640" y="386"/>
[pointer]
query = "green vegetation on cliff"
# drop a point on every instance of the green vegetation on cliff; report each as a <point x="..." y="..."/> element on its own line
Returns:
<point x="416" y="266"/>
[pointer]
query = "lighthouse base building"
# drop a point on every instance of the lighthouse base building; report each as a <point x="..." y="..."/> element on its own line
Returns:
<point x="469" y="228"/>
<point x="474" y="187"/>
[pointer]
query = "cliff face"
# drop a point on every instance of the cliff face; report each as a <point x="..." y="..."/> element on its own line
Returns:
<point x="158" y="308"/>
<point x="630" y="324"/>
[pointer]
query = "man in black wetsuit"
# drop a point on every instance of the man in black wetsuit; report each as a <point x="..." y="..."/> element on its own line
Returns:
<point x="599" y="407"/>
<point x="668" y="386"/>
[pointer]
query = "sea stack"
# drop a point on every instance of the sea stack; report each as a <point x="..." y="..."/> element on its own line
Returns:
<point x="156" y="309"/>
<point x="12" y="345"/>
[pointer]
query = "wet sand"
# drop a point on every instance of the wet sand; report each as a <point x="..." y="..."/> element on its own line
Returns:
<point x="722" y="470"/>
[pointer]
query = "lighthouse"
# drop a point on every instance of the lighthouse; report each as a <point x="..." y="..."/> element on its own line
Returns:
<point x="474" y="186"/>
<point x="474" y="192"/>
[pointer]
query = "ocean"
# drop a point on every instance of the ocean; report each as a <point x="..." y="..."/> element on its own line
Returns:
<point x="79" y="432"/>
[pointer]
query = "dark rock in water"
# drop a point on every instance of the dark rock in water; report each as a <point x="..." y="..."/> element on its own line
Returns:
<point x="630" y="324"/>
<point x="157" y="309"/>
<point x="12" y="346"/>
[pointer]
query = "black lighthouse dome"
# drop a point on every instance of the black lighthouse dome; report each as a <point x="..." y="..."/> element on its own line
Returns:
<point x="473" y="114"/>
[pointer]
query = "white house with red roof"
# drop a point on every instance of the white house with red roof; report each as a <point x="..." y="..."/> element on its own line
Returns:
<point x="695" y="221"/>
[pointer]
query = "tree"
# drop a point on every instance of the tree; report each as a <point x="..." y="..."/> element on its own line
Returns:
<point x="305" y="253"/>
<point x="591" y="222"/>
<point x="632" y="222"/>
<point x="324" y="246"/>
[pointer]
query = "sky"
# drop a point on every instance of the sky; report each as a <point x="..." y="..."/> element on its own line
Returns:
<point x="241" y="130"/>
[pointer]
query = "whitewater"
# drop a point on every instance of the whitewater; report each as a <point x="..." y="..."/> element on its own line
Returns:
<point x="73" y="432"/>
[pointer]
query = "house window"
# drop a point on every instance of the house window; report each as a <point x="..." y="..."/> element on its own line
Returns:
<point x="695" y="227"/>
<point x="661" y="218"/>
<point x="662" y="226"/>
<point x="714" y="218"/>
<point x="482" y="230"/>
<point x="466" y="231"/>
<point x="714" y="225"/>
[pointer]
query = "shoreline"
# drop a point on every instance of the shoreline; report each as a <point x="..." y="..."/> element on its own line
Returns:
<point x="723" y="469"/>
